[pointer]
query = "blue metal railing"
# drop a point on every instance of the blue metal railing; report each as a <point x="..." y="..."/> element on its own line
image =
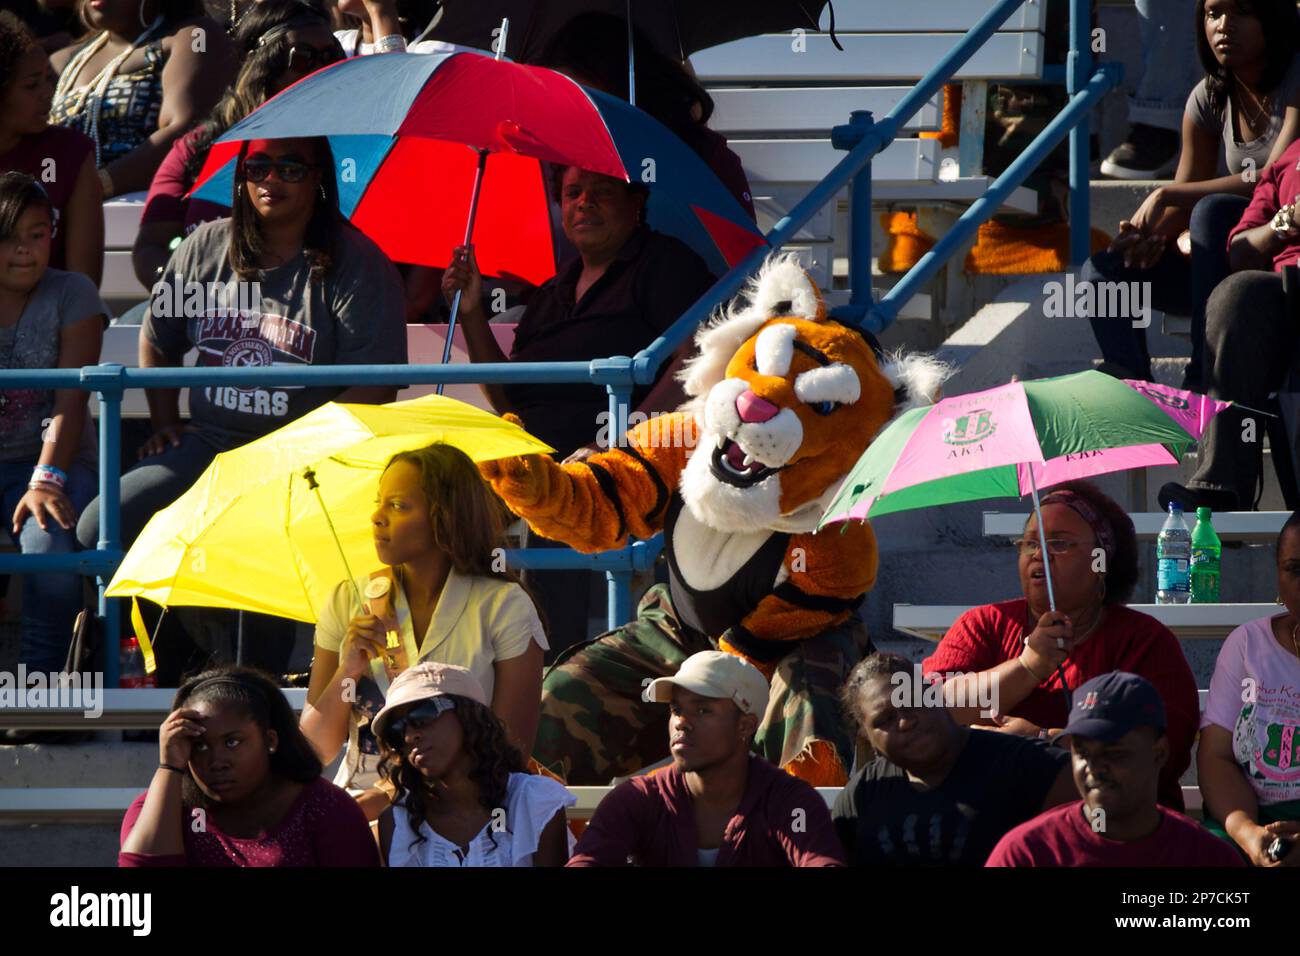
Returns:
<point x="862" y="137"/>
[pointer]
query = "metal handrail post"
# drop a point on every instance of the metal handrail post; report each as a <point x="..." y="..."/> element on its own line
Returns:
<point x="618" y="582"/>
<point x="860" y="293"/>
<point x="1078" y="71"/>
<point x="107" y="380"/>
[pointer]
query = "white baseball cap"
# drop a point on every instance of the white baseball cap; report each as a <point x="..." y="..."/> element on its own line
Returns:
<point x="715" y="674"/>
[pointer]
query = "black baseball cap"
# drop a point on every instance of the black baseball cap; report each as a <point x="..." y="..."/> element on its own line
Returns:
<point x="1109" y="706"/>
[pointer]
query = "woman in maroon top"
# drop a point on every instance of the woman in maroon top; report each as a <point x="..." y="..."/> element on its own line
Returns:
<point x="1033" y="657"/>
<point x="238" y="784"/>
<point x="61" y="160"/>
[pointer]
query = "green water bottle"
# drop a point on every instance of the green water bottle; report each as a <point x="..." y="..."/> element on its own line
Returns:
<point x="1206" y="551"/>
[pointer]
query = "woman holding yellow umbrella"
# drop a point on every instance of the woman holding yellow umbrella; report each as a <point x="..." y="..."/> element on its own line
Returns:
<point x="443" y="595"/>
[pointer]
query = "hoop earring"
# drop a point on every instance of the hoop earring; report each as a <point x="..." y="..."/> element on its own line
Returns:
<point x="143" y="22"/>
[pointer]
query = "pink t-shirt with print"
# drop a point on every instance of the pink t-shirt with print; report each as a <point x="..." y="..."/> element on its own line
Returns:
<point x="1255" y="695"/>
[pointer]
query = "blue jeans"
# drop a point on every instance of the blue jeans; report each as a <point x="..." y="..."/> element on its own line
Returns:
<point x="1170" y="67"/>
<point x="1180" y="285"/>
<point x="50" y="601"/>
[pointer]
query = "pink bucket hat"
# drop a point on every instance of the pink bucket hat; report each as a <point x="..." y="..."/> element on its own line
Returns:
<point x="424" y="681"/>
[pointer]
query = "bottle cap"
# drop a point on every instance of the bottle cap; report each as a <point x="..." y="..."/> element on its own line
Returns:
<point x="1203" y="513"/>
<point x="1175" y="506"/>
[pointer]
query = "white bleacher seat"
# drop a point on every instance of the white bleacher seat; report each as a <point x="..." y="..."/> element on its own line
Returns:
<point x="1249" y="526"/>
<point x="123" y="709"/>
<point x="120" y="289"/>
<point x="1188" y="621"/>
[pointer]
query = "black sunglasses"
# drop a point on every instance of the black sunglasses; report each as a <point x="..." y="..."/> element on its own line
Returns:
<point x="286" y="170"/>
<point x="306" y="59"/>
<point x="417" y="719"/>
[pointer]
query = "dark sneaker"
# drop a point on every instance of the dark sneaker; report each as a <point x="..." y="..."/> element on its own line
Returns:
<point x="1148" y="153"/>
<point x="1193" y="498"/>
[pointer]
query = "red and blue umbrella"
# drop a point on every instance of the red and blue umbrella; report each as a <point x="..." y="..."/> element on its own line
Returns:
<point x="409" y="131"/>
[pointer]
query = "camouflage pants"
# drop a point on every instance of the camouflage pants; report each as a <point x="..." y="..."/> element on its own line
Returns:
<point x="595" y="726"/>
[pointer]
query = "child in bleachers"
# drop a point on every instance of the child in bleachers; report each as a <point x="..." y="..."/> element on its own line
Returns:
<point x="462" y="795"/>
<point x="49" y="318"/>
<point x="1246" y="760"/>
<point x="61" y="159"/>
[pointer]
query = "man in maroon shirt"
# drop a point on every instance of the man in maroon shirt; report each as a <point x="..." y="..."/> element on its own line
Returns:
<point x="1116" y="734"/>
<point x="717" y="804"/>
<point x="1250" y="342"/>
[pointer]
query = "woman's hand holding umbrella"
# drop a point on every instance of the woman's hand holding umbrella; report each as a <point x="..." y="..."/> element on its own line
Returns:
<point x="365" y="640"/>
<point x="463" y="276"/>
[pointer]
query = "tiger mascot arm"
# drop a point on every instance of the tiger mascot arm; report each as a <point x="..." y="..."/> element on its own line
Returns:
<point x="593" y="505"/>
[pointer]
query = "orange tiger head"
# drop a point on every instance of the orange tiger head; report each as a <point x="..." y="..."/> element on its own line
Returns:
<point x="786" y="401"/>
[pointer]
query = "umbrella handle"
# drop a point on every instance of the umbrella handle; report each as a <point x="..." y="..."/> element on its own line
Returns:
<point x="1042" y="540"/>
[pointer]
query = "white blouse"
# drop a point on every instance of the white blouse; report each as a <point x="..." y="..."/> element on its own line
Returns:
<point x="508" y="839"/>
<point x="477" y="622"/>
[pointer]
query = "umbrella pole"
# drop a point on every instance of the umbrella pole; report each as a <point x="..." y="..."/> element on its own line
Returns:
<point x="1042" y="540"/>
<point x="1047" y="575"/>
<point x="310" y="477"/>
<point x="469" y="233"/>
<point x="631" y="58"/>
<point x="239" y="637"/>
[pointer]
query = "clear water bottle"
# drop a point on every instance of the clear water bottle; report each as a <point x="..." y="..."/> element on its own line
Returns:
<point x="1174" y="559"/>
<point x="131" y="671"/>
<point x="1206" y="552"/>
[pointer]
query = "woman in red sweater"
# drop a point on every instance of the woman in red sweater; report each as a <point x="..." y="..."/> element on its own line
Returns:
<point x="238" y="784"/>
<point x="1032" y="657"/>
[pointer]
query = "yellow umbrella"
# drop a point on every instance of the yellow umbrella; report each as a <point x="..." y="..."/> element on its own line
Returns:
<point x="253" y="534"/>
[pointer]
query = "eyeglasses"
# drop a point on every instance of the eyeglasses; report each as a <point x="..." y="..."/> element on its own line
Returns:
<point x="417" y="719"/>
<point x="286" y="170"/>
<point x="306" y="59"/>
<point x="1031" y="546"/>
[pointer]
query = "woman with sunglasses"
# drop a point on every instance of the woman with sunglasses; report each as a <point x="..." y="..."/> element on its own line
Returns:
<point x="462" y="797"/>
<point x="286" y="281"/>
<point x="1033" y="656"/>
<point x="281" y="41"/>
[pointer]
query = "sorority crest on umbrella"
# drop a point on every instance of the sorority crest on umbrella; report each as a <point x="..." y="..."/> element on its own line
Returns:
<point x="971" y="428"/>
<point x="783" y="401"/>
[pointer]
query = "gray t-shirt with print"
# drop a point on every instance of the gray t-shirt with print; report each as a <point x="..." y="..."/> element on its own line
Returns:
<point x="1238" y="156"/>
<point x="353" y="317"/>
<point x="61" y="299"/>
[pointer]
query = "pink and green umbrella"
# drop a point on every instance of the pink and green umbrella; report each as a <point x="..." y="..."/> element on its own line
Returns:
<point x="1006" y="441"/>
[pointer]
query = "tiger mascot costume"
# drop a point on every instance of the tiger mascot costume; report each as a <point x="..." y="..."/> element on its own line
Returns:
<point x="782" y="403"/>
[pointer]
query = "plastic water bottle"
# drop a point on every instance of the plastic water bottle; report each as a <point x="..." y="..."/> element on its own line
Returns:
<point x="1206" y="551"/>
<point x="131" y="665"/>
<point x="1173" y="559"/>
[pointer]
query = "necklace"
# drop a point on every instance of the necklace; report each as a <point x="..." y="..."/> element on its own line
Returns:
<point x="1260" y="105"/>
<point x="98" y="86"/>
<point x="1294" y="644"/>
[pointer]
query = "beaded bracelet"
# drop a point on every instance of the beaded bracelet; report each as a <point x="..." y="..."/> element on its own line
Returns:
<point x="48" y="475"/>
<point x="392" y="43"/>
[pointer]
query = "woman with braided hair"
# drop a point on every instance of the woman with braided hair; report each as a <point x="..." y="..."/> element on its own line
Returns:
<point x="461" y="794"/>
<point x="147" y="71"/>
<point x="238" y="784"/>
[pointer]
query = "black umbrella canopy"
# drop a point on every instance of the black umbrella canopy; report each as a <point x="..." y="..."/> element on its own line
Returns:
<point x="676" y="27"/>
